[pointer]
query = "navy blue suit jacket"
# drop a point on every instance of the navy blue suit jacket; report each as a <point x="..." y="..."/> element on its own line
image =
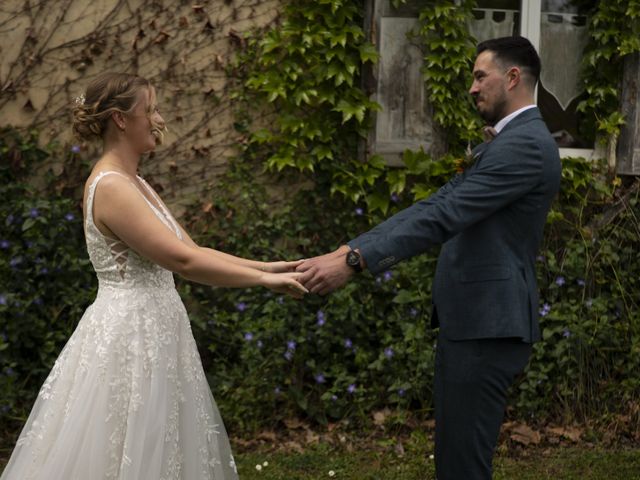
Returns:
<point x="490" y="221"/>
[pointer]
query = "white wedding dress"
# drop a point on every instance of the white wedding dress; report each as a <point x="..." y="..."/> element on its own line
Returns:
<point x="127" y="398"/>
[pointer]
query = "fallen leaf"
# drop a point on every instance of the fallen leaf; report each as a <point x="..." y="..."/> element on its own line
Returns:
<point x="525" y="435"/>
<point x="571" y="433"/>
<point x="267" y="435"/>
<point x="311" y="437"/>
<point x="399" y="449"/>
<point x="293" y="423"/>
<point x="291" y="445"/>
<point x="380" y="417"/>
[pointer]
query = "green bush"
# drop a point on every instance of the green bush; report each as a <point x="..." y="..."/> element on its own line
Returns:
<point x="375" y="333"/>
<point x="366" y="346"/>
<point x="45" y="275"/>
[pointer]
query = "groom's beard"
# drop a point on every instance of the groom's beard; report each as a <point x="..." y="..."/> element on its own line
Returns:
<point x="494" y="112"/>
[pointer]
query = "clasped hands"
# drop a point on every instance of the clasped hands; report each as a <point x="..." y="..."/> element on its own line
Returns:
<point x="321" y="275"/>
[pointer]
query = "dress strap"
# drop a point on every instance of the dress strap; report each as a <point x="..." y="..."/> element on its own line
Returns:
<point x="165" y="211"/>
<point x="92" y="191"/>
<point x="164" y="216"/>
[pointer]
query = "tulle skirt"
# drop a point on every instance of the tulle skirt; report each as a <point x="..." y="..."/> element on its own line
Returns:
<point x="127" y="399"/>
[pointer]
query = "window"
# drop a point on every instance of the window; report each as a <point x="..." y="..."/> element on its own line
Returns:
<point x="558" y="30"/>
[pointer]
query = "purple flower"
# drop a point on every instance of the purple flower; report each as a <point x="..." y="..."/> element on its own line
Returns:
<point x="388" y="352"/>
<point x="394" y="197"/>
<point x="560" y="281"/>
<point x="288" y="355"/>
<point x="351" y="388"/>
<point x="401" y="392"/>
<point x="378" y="280"/>
<point x="44" y="271"/>
<point x="291" y="345"/>
<point x="241" y="306"/>
<point x="248" y="336"/>
<point x="348" y="343"/>
<point x="588" y="303"/>
<point x="10" y="219"/>
<point x="358" y="211"/>
<point x="320" y="317"/>
<point x="15" y="261"/>
<point x="4" y="244"/>
<point x="387" y="275"/>
<point x="8" y="371"/>
<point x="544" y="311"/>
<point x="69" y="217"/>
<point x="75" y="149"/>
<point x="38" y="301"/>
<point x="3" y="299"/>
<point x="566" y="333"/>
<point x="280" y="300"/>
<point x="580" y="282"/>
<point x="334" y="398"/>
<point x="5" y="408"/>
<point x="277" y="391"/>
<point x="259" y="344"/>
<point x="540" y="258"/>
<point x="413" y="312"/>
<point x="33" y="213"/>
<point x="320" y="378"/>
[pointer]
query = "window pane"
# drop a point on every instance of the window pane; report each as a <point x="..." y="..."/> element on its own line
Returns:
<point x="495" y="18"/>
<point x="563" y="37"/>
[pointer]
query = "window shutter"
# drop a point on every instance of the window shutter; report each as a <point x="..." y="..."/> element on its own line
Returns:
<point x="628" y="151"/>
<point x="396" y="83"/>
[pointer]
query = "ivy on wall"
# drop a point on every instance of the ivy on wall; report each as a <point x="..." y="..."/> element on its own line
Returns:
<point x="306" y="72"/>
<point x="614" y="31"/>
<point x="449" y="54"/>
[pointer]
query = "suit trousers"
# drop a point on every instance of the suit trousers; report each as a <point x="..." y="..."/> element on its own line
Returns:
<point x="470" y="389"/>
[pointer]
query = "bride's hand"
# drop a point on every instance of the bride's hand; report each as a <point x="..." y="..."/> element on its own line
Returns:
<point x="285" y="283"/>
<point x="280" y="267"/>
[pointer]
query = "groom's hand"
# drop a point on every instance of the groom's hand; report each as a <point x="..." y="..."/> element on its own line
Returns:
<point x="325" y="273"/>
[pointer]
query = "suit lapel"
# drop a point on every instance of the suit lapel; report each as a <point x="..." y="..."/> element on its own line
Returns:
<point x="524" y="117"/>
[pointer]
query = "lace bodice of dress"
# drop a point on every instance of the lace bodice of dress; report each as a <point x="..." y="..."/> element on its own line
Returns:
<point x="116" y="265"/>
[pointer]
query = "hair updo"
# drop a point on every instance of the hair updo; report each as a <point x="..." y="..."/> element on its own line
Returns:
<point x="107" y="93"/>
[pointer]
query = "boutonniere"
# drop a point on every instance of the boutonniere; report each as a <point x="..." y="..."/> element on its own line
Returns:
<point x="468" y="160"/>
<point x="461" y="164"/>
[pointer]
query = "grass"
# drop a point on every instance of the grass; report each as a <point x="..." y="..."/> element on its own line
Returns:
<point x="387" y="460"/>
<point x="559" y="463"/>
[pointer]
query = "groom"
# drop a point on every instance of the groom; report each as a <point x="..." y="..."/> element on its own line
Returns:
<point x="489" y="221"/>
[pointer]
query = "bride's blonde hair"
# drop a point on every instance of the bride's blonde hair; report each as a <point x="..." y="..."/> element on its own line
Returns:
<point x="106" y="94"/>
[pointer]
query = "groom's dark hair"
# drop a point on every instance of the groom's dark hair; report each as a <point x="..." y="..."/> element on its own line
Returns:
<point x="514" y="50"/>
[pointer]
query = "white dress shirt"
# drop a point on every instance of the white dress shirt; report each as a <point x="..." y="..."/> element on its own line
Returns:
<point x="503" y="122"/>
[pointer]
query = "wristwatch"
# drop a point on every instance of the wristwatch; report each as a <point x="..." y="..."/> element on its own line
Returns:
<point x="353" y="260"/>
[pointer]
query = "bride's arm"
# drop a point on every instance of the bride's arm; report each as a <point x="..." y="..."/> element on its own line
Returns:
<point x="122" y="209"/>
<point x="273" y="267"/>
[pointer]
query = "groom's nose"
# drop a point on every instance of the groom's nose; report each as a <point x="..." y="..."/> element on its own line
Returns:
<point x="474" y="89"/>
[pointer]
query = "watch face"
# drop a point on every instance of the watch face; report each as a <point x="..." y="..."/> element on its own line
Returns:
<point x="353" y="259"/>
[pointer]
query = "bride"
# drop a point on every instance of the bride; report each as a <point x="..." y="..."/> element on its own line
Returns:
<point x="127" y="398"/>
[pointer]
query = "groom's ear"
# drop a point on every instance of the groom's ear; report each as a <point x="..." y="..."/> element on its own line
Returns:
<point x="514" y="76"/>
